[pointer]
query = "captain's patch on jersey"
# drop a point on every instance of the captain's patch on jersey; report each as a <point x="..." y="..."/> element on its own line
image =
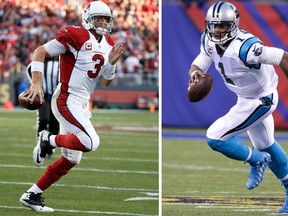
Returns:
<point x="88" y="46"/>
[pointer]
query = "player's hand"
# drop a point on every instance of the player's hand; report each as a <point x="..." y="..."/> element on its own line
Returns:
<point x="194" y="77"/>
<point x="115" y="53"/>
<point x="35" y="89"/>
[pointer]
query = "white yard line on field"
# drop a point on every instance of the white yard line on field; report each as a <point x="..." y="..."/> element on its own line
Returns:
<point x="88" y="158"/>
<point x="84" y="212"/>
<point x="149" y="196"/>
<point x="141" y="198"/>
<point x="85" y="169"/>
<point x="82" y="186"/>
<point x="131" y="150"/>
<point x="21" y="146"/>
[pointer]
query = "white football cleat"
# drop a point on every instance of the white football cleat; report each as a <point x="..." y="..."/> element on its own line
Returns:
<point x="42" y="148"/>
<point x="35" y="202"/>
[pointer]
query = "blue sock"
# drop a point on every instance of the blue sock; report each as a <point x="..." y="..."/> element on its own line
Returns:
<point x="233" y="148"/>
<point x="285" y="183"/>
<point x="256" y="156"/>
<point x="279" y="163"/>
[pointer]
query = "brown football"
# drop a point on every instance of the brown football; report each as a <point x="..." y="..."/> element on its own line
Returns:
<point x="22" y="98"/>
<point x="201" y="89"/>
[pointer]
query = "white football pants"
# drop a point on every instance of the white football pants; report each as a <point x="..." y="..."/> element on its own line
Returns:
<point x="247" y="115"/>
<point x="74" y="118"/>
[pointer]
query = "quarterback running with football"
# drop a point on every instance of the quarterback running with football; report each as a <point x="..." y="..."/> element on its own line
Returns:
<point x="246" y="66"/>
<point x="87" y="56"/>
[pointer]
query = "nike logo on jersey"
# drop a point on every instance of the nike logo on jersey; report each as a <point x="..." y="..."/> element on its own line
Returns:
<point x="66" y="30"/>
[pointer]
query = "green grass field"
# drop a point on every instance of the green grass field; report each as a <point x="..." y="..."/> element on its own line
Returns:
<point x="199" y="181"/>
<point x="120" y="178"/>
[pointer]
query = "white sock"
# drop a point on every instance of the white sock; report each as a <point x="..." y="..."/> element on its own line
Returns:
<point x="285" y="178"/>
<point x="35" y="189"/>
<point x="250" y="154"/>
<point x="52" y="140"/>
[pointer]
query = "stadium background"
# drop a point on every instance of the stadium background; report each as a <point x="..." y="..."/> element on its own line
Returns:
<point x="26" y="24"/>
<point x="182" y="25"/>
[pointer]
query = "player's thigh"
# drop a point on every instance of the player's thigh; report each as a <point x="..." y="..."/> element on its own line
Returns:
<point x="74" y="118"/>
<point x="71" y="115"/>
<point x="245" y="114"/>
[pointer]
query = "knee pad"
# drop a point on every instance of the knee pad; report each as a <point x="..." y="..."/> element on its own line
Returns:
<point x="95" y="143"/>
<point x="73" y="156"/>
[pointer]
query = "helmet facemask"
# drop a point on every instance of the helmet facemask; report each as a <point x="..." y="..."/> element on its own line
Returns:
<point x="221" y="37"/>
<point x="100" y="26"/>
<point x="221" y="15"/>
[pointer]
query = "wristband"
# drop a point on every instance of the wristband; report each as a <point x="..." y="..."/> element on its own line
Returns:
<point x="195" y="71"/>
<point x="109" y="71"/>
<point x="37" y="66"/>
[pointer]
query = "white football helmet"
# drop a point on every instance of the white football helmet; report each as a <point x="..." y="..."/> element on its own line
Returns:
<point x="91" y="17"/>
<point x="222" y="13"/>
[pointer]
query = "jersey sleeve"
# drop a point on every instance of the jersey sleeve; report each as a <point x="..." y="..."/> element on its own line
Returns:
<point x="250" y="51"/>
<point x="203" y="60"/>
<point x="54" y="48"/>
<point x="72" y="36"/>
<point x="64" y="38"/>
<point x="253" y="53"/>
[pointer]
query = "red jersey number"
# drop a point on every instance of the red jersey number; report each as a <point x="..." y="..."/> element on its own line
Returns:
<point x="99" y="59"/>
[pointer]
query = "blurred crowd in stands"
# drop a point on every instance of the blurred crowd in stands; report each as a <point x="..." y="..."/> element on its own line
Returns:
<point x="26" y="24"/>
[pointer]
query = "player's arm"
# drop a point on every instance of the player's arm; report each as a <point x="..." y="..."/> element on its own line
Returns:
<point x="284" y="64"/>
<point x="194" y="73"/>
<point x="199" y="67"/>
<point x="275" y="56"/>
<point x="269" y="55"/>
<point x="201" y="63"/>
<point x="51" y="48"/>
<point x="108" y="72"/>
<point x="37" y="68"/>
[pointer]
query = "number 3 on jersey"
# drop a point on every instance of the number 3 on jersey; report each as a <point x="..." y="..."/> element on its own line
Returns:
<point x="99" y="59"/>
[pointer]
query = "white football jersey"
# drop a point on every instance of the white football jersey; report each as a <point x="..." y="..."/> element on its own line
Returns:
<point x="84" y="60"/>
<point x="239" y="65"/>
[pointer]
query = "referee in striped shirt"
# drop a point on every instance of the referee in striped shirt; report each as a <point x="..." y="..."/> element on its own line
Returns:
<point x="45" y="117"/>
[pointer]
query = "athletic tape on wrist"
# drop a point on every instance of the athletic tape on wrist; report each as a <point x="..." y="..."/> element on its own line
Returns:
<point x="37" y="66"/>
<point x="195" y="71"/>
<point x="109" y="72"/>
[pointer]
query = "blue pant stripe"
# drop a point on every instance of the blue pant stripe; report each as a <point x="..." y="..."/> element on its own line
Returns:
<point x="258" y="113"/>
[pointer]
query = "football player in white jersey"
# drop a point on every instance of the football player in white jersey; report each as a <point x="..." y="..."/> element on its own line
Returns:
<point x="87" y="56"/>
<point x="246" y="66"/>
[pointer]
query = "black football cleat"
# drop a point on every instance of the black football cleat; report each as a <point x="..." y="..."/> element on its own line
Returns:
<point x="35" y="202"/>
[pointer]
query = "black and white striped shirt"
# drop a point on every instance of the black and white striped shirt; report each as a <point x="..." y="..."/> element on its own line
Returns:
<point x="49" y="77"/>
